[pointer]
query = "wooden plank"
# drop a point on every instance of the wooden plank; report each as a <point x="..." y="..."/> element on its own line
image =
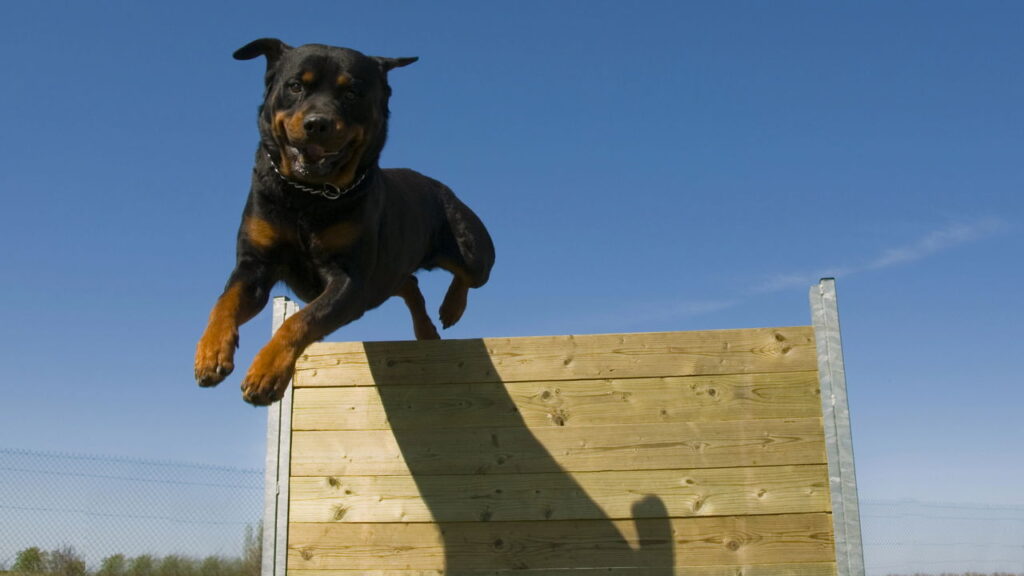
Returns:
<point x="807" y="569"/>
<point x="519" y="450"/>
<point x="560" y="403"/>
<point x="455" y="547"/>
<point x="580" y="496"/>
<point x="558" y="357"/>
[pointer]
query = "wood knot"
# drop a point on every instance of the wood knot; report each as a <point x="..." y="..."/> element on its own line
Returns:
<point x="339" y="513"/>
<point x="559" y="417"/>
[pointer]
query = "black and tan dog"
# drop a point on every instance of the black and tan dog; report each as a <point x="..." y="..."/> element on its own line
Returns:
<point x="323" y="217"/>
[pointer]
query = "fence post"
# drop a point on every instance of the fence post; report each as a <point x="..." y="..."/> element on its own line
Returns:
<point x="838" y="436"/>
<point x="275" y="483"/>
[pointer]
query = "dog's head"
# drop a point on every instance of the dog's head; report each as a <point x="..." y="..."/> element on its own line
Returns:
<point x="325" y="110"/>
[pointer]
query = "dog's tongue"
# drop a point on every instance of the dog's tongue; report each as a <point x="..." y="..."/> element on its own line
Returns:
<point x="313" y="153"/>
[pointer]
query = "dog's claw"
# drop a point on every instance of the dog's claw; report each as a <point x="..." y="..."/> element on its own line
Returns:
<point x="207" y="376"/>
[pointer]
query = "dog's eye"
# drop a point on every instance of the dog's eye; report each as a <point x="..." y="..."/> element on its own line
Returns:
<point x="350" y="96"/>
<point x="294" y="86"/>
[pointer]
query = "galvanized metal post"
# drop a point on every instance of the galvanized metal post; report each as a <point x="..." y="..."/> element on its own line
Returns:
<point x="838" y="435"/>
<point x="275" y="481"/>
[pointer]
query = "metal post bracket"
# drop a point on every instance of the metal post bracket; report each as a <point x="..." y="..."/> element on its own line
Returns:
<point x="838" y="434"/>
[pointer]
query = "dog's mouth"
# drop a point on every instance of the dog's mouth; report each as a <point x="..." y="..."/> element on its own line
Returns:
<point x="315" y="148"/>
<point x="315" y="162"/>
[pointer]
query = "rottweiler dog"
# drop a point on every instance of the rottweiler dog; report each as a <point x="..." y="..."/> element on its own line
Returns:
<point x="323" y="217"/>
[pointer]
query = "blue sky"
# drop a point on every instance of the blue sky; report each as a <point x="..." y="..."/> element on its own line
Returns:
<point x="642" y="167"/>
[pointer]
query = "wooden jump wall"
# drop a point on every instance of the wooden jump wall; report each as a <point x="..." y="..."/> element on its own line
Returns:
<point x="686" y="453"/>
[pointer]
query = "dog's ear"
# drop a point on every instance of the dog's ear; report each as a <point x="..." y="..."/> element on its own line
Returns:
<point x="391" y="63"/>
<point x="272" y="48"/>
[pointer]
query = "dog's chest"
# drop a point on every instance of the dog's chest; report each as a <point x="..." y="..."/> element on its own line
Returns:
<point x="326" y="245"/>
<point x="311" y="259"/>
<point x="336" y="238"/>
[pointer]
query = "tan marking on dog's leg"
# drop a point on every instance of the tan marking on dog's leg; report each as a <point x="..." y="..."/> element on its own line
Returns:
<point x="261" y="233"/>
<point x="273" y="366"/>
<point x="215" y="352"/>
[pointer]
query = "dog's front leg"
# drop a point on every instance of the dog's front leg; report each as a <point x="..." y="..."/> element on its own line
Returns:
<point x="340" y="303"/>
<point x="247" y="292"/>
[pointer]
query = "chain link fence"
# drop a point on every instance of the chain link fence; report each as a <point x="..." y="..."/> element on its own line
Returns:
<point x="916" y="537"/>
<point x="79" y="515"/>
<point x="73" y="515"/>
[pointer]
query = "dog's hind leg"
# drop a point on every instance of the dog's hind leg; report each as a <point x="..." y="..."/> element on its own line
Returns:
<point x="467" y="252"/>
<point x="454" y="303"/>
<point x="422" y="327"/>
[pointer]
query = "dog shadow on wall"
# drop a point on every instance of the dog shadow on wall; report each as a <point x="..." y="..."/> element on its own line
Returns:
<point x="500" y="498"/>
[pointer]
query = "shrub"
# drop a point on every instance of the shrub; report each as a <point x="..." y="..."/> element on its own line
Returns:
<point x="30" y="560"/>
<point x="65" y="561"/>
<point x="116" y="565"/>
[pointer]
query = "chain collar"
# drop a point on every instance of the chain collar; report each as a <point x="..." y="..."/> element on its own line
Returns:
<point x="327" y="191"/>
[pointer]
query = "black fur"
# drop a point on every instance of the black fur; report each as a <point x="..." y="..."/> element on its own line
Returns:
<point x="322" y="126"/>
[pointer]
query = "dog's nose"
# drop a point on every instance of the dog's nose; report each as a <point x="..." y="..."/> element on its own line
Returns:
<point x="317" y="125"/>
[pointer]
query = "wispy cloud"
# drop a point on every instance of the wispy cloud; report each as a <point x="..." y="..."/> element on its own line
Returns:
<point x="926" y="246"/>
<point x="930" y="244"/>
<point x="937" y="241"/>
<point x="791" y="280"/>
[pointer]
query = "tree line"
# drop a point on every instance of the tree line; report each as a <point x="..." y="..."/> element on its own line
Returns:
<point x="66" y="561"/>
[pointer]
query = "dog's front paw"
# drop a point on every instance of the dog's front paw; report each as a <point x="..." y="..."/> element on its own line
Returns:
<point x="268" y="377"/>
<point x="215" y="356"/>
